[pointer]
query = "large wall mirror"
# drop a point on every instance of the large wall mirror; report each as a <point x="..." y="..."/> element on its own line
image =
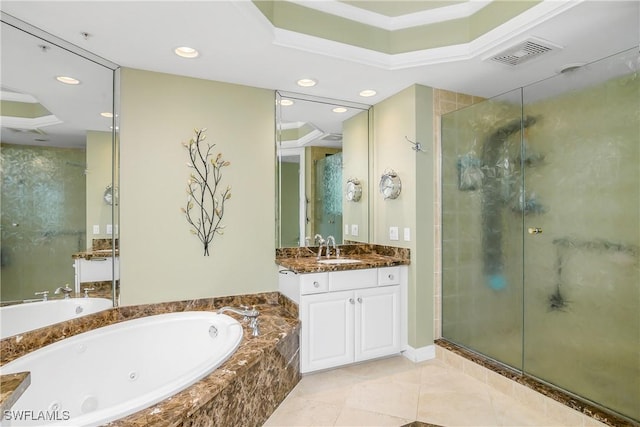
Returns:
<point x="58" y="152"/>
<point x="323" y="170"/>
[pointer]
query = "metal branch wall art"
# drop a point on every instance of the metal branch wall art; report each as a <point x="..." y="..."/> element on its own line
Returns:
<point x="205" y="201"/>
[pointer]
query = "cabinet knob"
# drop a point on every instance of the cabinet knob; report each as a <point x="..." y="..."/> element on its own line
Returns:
<point x="316" y="284"/>
<point x="391" y="277"/>
<point x="351" y="301"/>
<point x="360" y="299"/>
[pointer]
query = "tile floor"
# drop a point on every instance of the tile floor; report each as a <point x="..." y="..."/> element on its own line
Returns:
<point x="396" y="391"/>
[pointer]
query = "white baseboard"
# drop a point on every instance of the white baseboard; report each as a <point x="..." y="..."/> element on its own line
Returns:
<point x="420" y="354"/>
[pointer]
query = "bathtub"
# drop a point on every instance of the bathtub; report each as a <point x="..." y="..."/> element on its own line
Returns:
<point x="99" y="376"/>
<point x="19" y="318"/>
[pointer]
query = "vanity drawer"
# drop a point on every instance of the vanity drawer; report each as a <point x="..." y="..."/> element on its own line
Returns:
<point x="388" y="276"/>
<point x="352" y="279"/>
<point x="314" y="283"/>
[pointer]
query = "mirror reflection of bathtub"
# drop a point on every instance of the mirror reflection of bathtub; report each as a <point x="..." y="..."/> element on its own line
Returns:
<point x="19" y="318"/>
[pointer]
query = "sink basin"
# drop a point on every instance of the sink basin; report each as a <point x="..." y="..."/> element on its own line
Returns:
<point x="338" y="261"/>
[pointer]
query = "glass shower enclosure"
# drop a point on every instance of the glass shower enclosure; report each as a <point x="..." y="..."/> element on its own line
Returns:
<point x="541" y="231"/>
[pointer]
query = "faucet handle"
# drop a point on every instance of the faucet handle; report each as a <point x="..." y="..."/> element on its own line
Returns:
<point x="86" y="291"/>
<point x="45" y="295"/>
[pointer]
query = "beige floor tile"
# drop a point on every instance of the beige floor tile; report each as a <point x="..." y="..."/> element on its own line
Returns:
<point x="358" y="418"/>
<point x="396" y="391"/>
<point x="303" y="413"/>
<point x="386" y="397"/>
<point x="511" y="413"/>
<point x="456" y="409"/>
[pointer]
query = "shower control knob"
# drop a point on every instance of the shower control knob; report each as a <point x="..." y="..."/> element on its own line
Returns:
<point x="534" y="230"/>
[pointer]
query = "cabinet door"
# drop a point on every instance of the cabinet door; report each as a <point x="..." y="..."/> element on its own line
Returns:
<point x="377" y="329"/>
<point x="327" y="330"/>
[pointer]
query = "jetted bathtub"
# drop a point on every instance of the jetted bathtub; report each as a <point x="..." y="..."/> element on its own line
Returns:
<point x="108" y="373"/>
<point x="19" y="318"/>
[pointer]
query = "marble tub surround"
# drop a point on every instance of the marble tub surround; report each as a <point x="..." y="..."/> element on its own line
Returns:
<point x="304" y="259"/>
<point x="94" y="253"/>
<point x="243" y="391"/>
<point x="102" y="244"/>
<point x="11" y="388"/>
<point x="513" y="382"/>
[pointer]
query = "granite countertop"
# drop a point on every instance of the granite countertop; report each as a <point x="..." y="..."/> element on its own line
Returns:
<point x="304" y="259"/>
<point x="11" y="388"/>
<point x="91" y="254"/>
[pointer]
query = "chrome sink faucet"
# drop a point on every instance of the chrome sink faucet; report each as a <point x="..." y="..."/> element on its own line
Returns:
<point x="66" y="291"/>
<point x="247" y="314"/>
<point x="335" y="249"/>
<point x="319" y="240"/>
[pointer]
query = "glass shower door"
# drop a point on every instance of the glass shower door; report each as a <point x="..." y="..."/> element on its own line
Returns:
<point x="482" y="228"/>
<point x="582" y="217"/>
<point x="328" y="196"/>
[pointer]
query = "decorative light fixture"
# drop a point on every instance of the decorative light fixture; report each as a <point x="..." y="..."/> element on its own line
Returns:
<point x="286" y="102"/>
<point x="368" y="92"/>
<point x="307" y="82"/>
<point x="186" y="52"/>
<point x="339" y="110"/>
<point x="68" y="80"/>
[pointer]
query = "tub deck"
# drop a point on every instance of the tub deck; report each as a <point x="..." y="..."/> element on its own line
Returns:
<point x="244" y="390"/>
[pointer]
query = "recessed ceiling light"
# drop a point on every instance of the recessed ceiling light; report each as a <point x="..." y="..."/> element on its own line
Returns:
<point x="339" y="110"/>
<point x="107" y="114"/>
<point x="68" y="80"/>
<point x="368" y="92"/>
<point x="286" y="102"/>
<point x="186" y="52"/>
<point x="307" y="82"/>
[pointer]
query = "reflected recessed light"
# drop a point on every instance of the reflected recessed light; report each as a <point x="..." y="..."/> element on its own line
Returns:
<point x="339" y="110"/>
<point x="368" y="92"/>
<point x="286" y="102"/>
<point x="186" y="52"/>
<point x="307" y="82"/>
<point x="107" y="114"/>
<point x="68" y="80"/>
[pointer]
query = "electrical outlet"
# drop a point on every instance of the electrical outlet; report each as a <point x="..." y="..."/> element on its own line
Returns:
<point x="346" y="229"/>
<point x="407" y="234"/>
<point x="96" y="229"/>
<point x="109" y="229"/>
<point x="354" y="229"/>
<point x="394" y="233"/>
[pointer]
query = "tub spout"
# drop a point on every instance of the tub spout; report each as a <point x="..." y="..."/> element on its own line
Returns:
<point x="66" y="291"/>
<point x="247" y="314"/>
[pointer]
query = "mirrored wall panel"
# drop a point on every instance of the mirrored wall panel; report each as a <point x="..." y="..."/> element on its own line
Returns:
<point x="59" y="187"/>
<point x="322" y="164"/>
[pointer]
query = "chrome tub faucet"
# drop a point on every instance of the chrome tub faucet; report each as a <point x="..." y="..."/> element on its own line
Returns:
<point x="247" y="314"/>
<point x="66" y="291"/>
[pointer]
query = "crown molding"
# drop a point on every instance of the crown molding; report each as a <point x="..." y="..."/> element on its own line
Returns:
<point x="392" y="23"/>
<point x="481" y="46"/>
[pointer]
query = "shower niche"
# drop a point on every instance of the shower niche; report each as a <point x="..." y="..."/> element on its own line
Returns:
<point x="541" y="231"/>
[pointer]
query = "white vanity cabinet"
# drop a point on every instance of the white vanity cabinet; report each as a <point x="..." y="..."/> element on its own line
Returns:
<point x="348" y="316"/>
<point x="94" y="269"/>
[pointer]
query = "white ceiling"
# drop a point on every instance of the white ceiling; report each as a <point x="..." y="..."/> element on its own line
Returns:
<point x="239" y="45"/>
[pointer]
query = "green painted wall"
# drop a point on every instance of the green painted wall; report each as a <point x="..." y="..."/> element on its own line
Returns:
<point x="163" y="261"/>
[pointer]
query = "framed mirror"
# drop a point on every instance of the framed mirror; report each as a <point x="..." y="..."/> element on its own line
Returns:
<point x="59" y="153"/>
<point x="322" y="146"/>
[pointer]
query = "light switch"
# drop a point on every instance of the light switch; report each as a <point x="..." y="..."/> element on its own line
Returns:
<point x="354" y="229"/>
<point x="407" y="234"/>
<point x="346" y="229"/>
<point x="109" y="229"/>
<point x="393" y="233"/>
<point x="96" y="229"/>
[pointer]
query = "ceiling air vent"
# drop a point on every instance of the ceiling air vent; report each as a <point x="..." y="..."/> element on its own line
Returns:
<point x="523" y="52"/>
